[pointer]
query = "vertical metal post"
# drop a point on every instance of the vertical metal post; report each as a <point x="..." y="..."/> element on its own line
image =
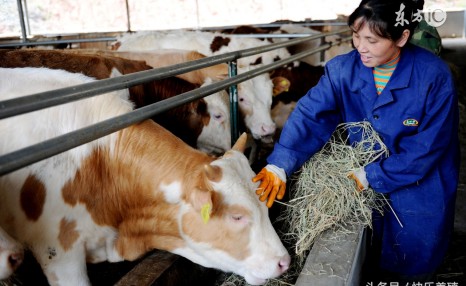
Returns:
<point x="233" y="91"/>
<point x="464" y="23"/>
<point x="322" y="53"/>
<point x="128" y="20"/>
<point x="21" y="21"/>
<point x="198" y="19"/>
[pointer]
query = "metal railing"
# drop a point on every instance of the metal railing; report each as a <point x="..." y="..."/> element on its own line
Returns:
<point x="28" y="155"/>
<point x="55" y="42"/>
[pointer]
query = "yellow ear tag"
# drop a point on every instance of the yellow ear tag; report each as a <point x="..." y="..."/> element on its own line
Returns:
<point x="205" y="212"/>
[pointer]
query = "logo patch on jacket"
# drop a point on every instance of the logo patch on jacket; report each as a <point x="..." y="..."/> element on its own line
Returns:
<point x="410" y="122"/>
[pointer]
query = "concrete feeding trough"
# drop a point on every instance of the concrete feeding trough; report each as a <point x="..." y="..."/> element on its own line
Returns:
<point x="336" y="259"/>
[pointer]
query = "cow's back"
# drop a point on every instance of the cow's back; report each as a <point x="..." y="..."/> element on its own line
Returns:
<point x="186" y="121"/>
<point x="95" y="66"/>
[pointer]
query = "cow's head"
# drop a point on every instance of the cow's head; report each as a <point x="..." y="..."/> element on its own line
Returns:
<point x="11" y="255"/>
<point x="215" y="137"/>
<point x="225" y="226"/>
<point x="255" y="103"/>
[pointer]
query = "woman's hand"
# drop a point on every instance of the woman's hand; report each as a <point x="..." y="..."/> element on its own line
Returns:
<point x="273" y="184"/>
<point x="359" y="176"/>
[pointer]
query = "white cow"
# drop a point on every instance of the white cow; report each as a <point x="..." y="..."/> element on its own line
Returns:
<point x="120" y="196"/>
<point x="218" y="106"/>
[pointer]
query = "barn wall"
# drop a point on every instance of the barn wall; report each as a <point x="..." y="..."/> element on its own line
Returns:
<point x="69" y="16"/>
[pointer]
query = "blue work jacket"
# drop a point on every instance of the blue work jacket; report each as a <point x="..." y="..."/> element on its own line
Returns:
<point x="416" y="116"/>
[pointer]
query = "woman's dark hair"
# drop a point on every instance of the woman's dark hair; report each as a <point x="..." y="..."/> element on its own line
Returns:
<point x="386" y="18"/>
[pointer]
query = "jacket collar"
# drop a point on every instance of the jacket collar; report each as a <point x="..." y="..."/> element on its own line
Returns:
<point x="399" y="79"/>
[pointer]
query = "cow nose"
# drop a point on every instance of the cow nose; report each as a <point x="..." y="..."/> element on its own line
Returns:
<point x="15" y="259"/>
<point x="284" y="263"/>
<point x="267" y="133"/>
<point x="268" y="130"/>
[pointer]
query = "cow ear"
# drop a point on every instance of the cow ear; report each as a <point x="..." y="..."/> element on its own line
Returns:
<point x="123" y="93"/>
<point x="201" y="201"/>
<point x="241" y="143"/>
<point x="280" y="84"/>
<point x="115" y="73"/>
<point x="115" y="45"/>
<point x="221" y="76"/>
<point x="219" y="72"/>
<point x="213" y="173"/>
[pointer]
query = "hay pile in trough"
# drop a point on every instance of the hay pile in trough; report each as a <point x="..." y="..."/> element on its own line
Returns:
<point x="322" y="196"/>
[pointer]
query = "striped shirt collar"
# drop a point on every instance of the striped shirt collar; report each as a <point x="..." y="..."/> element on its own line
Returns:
<point x="391" y="63"/>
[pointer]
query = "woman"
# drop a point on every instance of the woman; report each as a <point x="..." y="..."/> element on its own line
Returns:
<point x="407" y="94"/>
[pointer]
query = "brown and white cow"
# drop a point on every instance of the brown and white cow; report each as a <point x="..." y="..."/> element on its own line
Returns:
<point x="289" y="27"/>
<point x="11" y="254"/>
<point x="124" y="194"/>
<point x="197" y="122"/>
<point x="206" y="43"/>
<point x="255" y="95"/>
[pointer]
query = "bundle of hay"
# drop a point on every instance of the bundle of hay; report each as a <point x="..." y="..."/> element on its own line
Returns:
<point x="322" y="196"/>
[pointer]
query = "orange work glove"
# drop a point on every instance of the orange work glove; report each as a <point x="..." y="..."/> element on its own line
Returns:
<point x="359" y="176"/>
<point x="273" y="184"/>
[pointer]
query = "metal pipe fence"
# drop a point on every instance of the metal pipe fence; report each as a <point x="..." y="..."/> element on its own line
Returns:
<point x="29" y="155"/>
<point x="50" y="98"/>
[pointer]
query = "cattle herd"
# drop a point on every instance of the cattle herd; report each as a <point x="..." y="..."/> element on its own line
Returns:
<point x="173" y="182"/>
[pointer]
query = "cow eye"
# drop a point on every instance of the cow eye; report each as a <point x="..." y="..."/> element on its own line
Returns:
<point x="218" y="116"/>
<point x="239" y="220"/>
<point x="245" y="102"/>
<point x="237" y="217"/>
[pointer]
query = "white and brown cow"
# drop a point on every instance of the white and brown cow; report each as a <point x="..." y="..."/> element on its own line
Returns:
<point x="289" y="27"/>
<point x="254" y="95"/>
<point x="11" y="254"/>
<point x="198" y="122"/>
<point x="206" y="43"/>
<point x="137" y="189"/>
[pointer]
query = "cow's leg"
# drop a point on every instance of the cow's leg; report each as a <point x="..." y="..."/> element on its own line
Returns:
<point x="63" y="267"/>
<point x="112" y="253"/>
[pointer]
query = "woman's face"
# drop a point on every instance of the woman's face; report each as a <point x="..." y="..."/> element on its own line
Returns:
<point x="374" y="50"/>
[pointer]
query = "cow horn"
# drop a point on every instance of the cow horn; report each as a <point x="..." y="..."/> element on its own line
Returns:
<point x="240" y="144"/>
